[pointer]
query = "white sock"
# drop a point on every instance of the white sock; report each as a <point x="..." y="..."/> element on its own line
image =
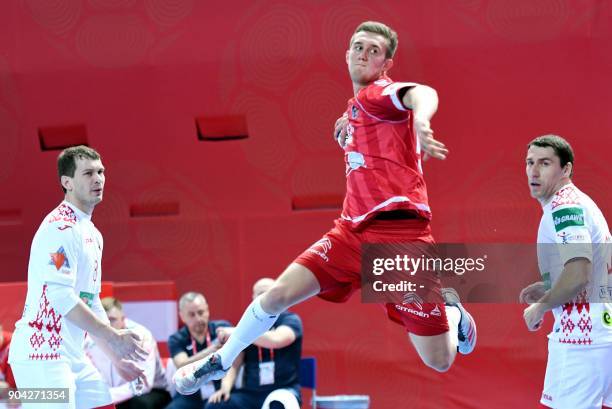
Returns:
<point x="453" y="316"/>
<point x="254" y="323"/>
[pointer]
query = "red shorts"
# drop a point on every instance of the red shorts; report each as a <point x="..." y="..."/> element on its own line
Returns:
<point x="335" y="260"/>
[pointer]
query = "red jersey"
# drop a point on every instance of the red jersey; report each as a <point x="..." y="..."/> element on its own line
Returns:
<point x="382" y="155"/>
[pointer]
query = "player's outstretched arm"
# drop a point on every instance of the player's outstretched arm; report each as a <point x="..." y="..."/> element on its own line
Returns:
<point x="423" y="101"/>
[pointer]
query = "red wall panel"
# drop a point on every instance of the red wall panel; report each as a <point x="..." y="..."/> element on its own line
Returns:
<point x="138" y="74"/>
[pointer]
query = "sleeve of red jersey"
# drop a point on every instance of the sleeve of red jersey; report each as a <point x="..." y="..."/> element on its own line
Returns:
<point x="382" y="100"/>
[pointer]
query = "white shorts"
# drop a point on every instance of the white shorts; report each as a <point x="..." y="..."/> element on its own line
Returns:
<point x="86" y="387"/>
<point x="578" y="377"/>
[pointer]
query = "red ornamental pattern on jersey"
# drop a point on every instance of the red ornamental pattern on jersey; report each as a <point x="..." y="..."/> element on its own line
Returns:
<point x="47" y="322"/>
<point x="565" y="196"/>
<point x="576" y="323"/>
<point x="65" y="214"/>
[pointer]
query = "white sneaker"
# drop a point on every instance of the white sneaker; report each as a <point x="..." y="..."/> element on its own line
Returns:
<point x="189" y="378"/>
<point x="467" y="325"/>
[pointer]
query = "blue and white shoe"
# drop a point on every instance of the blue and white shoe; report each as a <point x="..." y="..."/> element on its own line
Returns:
<point x="467" y="325"/>
<point x="189" y="378"/>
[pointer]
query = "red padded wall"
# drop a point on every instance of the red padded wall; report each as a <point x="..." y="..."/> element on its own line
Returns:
<point x="137" y="74"/>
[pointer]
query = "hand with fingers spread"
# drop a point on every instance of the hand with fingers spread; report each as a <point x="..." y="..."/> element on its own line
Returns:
<point x="222" y="395"/>
<point x="126" y="344"/>
<point x="429" y="145"/>
<point x="130" y="371"/>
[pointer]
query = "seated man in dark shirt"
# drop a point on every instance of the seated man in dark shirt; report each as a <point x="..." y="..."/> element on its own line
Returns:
<point x="196" y="340"/>
<point x="271" y="364"/>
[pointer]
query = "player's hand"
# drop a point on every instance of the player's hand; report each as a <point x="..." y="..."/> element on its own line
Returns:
<point x="129" y="371"/>
<point x="432" y="147"/>
<point x="534" y="316"/>
<point x="224" y="333"/>
<point x="532" y="293"/>
<point x="340" y="130"/>
<point x="126" y="344"/>
<point x="222" y="394"/>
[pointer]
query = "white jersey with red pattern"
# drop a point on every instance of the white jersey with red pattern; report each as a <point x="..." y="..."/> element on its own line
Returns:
<point x="382" y="155"/>
<point x="66" y="251"/>
<point x="572" y="226"/>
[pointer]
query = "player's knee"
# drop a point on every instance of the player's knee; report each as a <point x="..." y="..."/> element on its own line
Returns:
<point x="440" y="362"/>
<point x="276" y="299"/>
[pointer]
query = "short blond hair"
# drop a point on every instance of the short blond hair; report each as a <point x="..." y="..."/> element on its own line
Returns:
<point x="382" y="29"/>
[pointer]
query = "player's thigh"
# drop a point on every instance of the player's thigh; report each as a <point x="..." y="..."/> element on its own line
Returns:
<point x="92" y="391"/>
<point x="294" y="285"/>
<point x="574" y="377"/>
<point x="53" y="375"/>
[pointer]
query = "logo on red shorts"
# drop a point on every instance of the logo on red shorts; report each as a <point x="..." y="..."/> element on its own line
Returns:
<point x="321" y="248"/>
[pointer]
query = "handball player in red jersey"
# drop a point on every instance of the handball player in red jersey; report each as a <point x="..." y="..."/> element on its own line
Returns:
<point x="384" y="131"/>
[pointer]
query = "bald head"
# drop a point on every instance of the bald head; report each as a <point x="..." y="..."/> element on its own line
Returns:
<point x="261" y="286"/>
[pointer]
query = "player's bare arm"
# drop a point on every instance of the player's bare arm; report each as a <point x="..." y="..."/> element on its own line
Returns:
<point x="423" y="101"/>
<point x="573" y="279"/>
<point x="121" y="343"/>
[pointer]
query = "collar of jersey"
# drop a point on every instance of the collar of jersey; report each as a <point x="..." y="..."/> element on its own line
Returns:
<point x="80" y="214"/>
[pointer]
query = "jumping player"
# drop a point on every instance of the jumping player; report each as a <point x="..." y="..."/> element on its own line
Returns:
<point x="386" y="202"/>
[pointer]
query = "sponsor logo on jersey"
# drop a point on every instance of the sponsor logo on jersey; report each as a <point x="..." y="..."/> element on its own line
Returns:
<point x="606" y="319"/>
<point x="411" y="311"/>
<point x="568" y="238"/>
<point x="354" y="112"/>
<point x="573" y="216"/>
<point x="59" y="259"/>
<point x="355" y="160"/>
<point x="436" y="311"/>
<point x="321" y="247"/>
<point x="64" y="227"/>
<point x="413" y="299"/>
<point x="87" y="298"/>
<point x="564" y="237"/>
